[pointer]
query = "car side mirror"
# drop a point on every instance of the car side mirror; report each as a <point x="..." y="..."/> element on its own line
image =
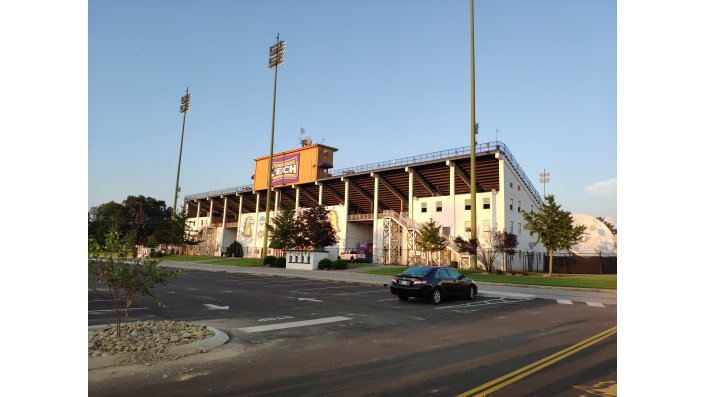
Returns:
<point x="461" y="277"/>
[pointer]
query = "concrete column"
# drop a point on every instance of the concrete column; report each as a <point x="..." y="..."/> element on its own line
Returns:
<point x="298" y="195"/>
<point x="452" y="196"/>
<point x="254" y="237"/>
<point x="276" y="202"/>
<point x="210" y="212"/>
<point x="222" y="228"/>
<point x="239" y="218"/>
<point x="375" y="229"/>
<point x="198" y="216"/>
<point x="411" y="193"/>
<point x="320" y="193"/>
<point x="225" y="210"/>
<point x="346" y="211"/>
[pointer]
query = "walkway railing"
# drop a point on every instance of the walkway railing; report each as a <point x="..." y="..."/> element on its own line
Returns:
<point x="404" y="161"/>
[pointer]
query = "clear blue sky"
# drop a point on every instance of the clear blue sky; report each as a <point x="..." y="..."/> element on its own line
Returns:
<point x="377" y="79"/>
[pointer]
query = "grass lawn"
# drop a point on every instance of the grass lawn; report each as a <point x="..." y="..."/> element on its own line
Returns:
<point x="187" y="258"/>
<point x="250" y="262"/>
<point x="565" y="280"/>
<point x="356" y="265"/>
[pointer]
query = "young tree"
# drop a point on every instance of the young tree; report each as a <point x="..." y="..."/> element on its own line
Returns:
<point x="430" y="239"/>
<point x="507" y="243"/>
<point x="283" y="228"/>
<point x="466" y="246"/>
<point x="554" y="228"/>
<point x="488" y="251"/>
<point x="313" y="229"/>
<point x="124" y="277"/>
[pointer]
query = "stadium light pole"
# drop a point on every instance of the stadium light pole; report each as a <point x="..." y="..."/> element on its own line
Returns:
<point x="473" y="132"/>
<point x="185" y="107"/>
<point x="544" y="178"/>
<point x="276" y="58"/>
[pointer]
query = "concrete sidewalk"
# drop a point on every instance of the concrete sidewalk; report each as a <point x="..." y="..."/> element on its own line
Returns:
<point x="354" y="276"/>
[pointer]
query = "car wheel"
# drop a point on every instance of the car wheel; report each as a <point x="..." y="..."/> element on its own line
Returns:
<point x="436" y="296"/>
<point x="403" y="298"/>
<point x="471" y="293"/>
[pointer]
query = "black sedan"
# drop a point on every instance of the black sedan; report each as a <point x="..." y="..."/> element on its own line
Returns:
<point x="436" y="283"/>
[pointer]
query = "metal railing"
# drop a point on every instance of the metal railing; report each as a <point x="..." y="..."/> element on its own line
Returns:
<point x="486" y="147"/>
<point x="220" y="192"/>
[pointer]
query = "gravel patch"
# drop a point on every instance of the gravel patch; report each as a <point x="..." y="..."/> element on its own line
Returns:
<point x="144" y="341"/>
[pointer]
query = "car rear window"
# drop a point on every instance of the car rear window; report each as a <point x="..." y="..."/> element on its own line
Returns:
<point x="416" y="271"/>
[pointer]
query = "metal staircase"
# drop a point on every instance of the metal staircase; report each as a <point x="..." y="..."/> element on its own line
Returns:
<point x="394" y="225"/>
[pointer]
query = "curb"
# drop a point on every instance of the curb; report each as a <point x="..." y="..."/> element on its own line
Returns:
<point x="243" y="269"/>
<point x="201" y="346"/>
<point x="549" y="287"/>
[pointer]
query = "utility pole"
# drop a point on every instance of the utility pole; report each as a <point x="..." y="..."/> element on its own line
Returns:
<point x="185" y="107"/>
<point x="473" y="132"/>
<point x="276" y="58"/>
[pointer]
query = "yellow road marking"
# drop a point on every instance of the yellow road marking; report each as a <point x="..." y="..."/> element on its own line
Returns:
<point x="538" y="365"/>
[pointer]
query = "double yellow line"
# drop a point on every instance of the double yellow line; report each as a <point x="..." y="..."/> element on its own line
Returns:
<point x="521" y="373"/>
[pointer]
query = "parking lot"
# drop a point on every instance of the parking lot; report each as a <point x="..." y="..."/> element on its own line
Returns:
<point x="312" y="337"/>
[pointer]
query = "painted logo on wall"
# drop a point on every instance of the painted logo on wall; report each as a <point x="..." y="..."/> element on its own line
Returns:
<point x="247" y="229"/>
<point x="333" y="218"/>
<point x="285" y="169"/>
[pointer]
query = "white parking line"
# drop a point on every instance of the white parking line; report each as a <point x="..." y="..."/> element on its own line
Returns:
<point x="362" y="292"/>
<point x="595" y="304"/>
<point x="294" y="324"/>
<point x="342" y="286"/>
<point x="101" y="311"/>
<point x="564" y="301"/>
<point x="483" y="303"/>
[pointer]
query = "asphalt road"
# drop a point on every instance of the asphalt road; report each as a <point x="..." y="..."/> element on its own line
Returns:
<point x="298" y="337"/>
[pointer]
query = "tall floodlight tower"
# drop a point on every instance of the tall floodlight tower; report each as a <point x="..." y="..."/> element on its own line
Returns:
<point x="276" y="58"/>
<point x="473" y="132"/>
<point x="544" y="178"/>
<point x="185" y="107"/>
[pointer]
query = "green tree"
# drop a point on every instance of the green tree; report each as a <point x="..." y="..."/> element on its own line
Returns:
<point x="145" y="216"/>
<point x="103" y="218"/>
<point x="283" y="228"/>
<point x="313" y="229"/>
<point x="430" y="238"/>
<point x="464" y="246"/>
<point x="554" y="228"/>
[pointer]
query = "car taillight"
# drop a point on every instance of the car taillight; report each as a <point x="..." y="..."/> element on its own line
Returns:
<point x="417" y="282"/>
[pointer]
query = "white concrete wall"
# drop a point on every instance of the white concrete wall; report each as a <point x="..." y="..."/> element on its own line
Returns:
<point x="357" y="233"/>
<point x="514" y="189"/>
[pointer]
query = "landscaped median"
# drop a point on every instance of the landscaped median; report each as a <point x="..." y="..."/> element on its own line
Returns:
<point x="608" y="281"/>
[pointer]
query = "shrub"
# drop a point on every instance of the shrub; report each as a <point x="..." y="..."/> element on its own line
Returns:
<point x="269" y="260"/>
<point x="280" y="262"/>
<point x="325" y="264"/>
<point x="500" y="272"/>
<point x="235" y="249"/>
<point x="156" y="254"/>
<point x="340" y="264"/>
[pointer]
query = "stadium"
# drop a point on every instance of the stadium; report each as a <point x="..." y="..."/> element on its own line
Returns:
<point x="377" y="209"/>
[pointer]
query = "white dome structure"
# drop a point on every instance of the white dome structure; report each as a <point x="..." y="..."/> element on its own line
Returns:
<point x="597" y="238"/>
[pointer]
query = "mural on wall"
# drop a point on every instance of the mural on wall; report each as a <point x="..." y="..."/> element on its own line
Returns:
<point x="334" y="220"/>
<point x="247" y="229"/>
